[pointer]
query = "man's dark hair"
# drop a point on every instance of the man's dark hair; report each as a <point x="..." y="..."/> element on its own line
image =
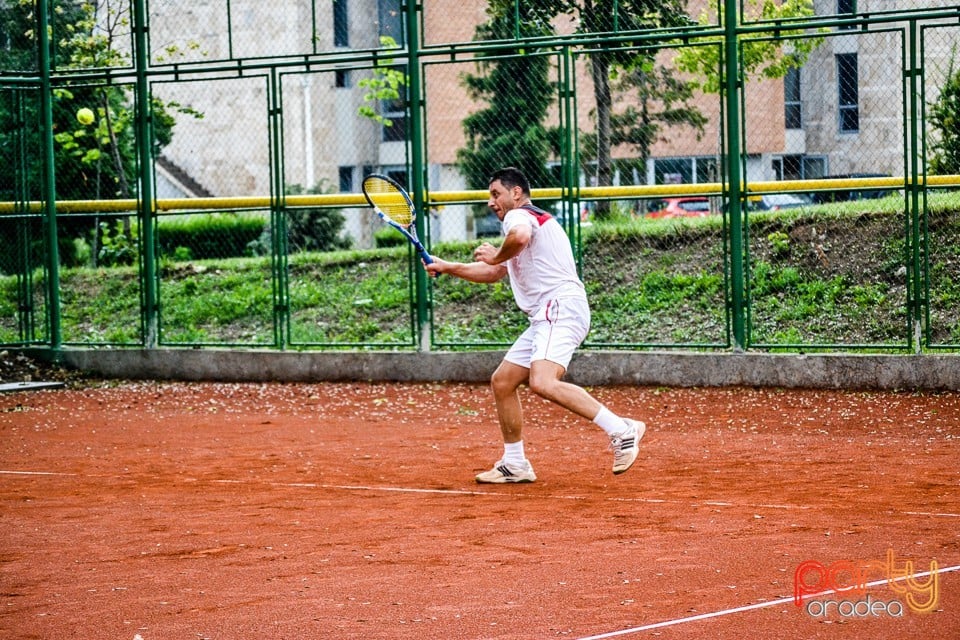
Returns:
<point x="511" y="177"/>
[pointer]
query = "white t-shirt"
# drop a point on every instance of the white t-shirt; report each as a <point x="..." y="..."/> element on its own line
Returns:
<point x="545" y="269"/>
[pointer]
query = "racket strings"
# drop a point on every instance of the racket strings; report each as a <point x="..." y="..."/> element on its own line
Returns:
<point x="386" y="197"/>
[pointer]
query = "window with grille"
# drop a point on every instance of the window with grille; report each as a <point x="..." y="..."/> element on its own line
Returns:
<point x="688" y="170"/>
<point x="345" y="175"/>
<point x="391" y="20"/>
<point x="846" y="8"/>
<point x="848" y="92"/>
<point x="792" y="113"/>
<point x="341" y="25"/>
<point x="799" y="167"/>
<point x="396" y="112"/>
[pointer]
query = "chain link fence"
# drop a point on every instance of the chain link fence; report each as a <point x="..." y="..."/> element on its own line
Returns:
<point x="797" y="190"/>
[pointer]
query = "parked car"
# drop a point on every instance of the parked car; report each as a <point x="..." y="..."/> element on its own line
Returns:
<point x="561" y="210"/>
<point x="778" y="201"/>
<point x="692" y="206"/>
<point x="845" y="195"/>
<point x="487" y="225"/>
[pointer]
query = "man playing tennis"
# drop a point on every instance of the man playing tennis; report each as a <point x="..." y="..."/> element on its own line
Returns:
<point x="537" y="256"/>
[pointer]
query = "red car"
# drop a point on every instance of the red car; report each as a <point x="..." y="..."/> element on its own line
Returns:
<point x="693" y="206"/>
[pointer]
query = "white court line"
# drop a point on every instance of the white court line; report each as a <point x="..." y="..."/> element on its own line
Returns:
<point x="469" y="492"/>
<point x="750" y="607"/>
<point x="492" y="492"/>
<point x="34" y="473"/>
<point x="359" y="487"/>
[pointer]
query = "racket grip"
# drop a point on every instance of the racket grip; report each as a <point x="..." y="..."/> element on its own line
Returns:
<point x="427" y="259"/>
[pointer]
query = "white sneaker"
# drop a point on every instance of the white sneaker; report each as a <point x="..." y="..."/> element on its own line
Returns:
<point x="503" y="473"/>
<point x="626" y="446"/>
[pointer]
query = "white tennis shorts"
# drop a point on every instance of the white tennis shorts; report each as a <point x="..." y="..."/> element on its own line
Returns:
<point x="555" y="332"/>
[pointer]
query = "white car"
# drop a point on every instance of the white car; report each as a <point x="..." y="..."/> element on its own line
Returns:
<point x="777" y="201"/>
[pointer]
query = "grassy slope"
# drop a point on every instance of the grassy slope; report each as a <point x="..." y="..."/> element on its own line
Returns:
<point x="830" y="276"/>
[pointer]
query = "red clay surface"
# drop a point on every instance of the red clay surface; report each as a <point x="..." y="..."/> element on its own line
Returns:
<point x="233" y="511"/>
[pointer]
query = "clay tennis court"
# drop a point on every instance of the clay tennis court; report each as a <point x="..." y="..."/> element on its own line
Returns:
<point x="228" y="511"/>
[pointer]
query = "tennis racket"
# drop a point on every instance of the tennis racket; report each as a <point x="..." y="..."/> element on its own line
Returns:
<point x="394" y="207"/>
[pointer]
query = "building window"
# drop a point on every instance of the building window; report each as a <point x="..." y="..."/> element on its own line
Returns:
<point x="791" y="99"/>
<point x="393" y="110"/>
<point x="848" y="92"/>
<point x="391" y="20"/>
<point x="396" y="112"/>
<point x="814" y="167"/>
<point x="846" y="8"/>
<point x="341" y="25"/>
<point x="341" y="79"/>
<point x="707" y="169"/>
<point x="673" y="171"/>
<point x="799" y="167"/>
<point x="689" y="170"/>
<point x="346" y="179"/>
<point x="399" y="174"/>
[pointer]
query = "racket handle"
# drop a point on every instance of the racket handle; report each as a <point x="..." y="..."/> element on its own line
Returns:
<point x="427" y="259"/>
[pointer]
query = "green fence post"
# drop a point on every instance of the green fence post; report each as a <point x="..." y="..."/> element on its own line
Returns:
<point x="569" y="179"/>
<point x="734" y="187"/>
<point x="278" y="217"/>
<point x="26" y="311"/>
<point x="49" y="176"/>
<point x="414" y="91"/>
<point x="915" y="273"/>
<point x="145" y="202"/>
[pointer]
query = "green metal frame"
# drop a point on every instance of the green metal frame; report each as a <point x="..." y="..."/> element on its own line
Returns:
<point x="415" y="56"/>
<point x="732" y="85"/>
<point x="49" y="179"/>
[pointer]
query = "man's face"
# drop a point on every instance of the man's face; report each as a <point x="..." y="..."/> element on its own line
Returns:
<point x="503" y="199"/>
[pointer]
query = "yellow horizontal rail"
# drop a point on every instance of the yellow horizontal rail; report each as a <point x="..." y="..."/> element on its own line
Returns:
<point x="474" y="196"/>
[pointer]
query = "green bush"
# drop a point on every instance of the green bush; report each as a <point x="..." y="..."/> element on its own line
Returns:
<point x="388" y="237"/>
<point x="205" y="236"/>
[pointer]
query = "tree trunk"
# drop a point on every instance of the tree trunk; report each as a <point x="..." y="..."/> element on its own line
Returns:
<point x="600" y="68"/>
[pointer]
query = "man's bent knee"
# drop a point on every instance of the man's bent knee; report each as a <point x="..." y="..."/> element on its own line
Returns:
<point x="545" y="378"/>
<point x="508" y="377"/>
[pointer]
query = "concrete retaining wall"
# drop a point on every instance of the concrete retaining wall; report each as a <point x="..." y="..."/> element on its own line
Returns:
<point x="836" y="371"/>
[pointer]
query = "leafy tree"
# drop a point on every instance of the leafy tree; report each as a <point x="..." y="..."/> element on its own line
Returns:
<point x="92" y="161"/>
<point x="20" y="130"/>
<point x="661" y="101"/>
<point x="383" y="86"/>
<point x="607" y="16"/>
<point x="664" y="99"/>
<point x="518" y="91"/>
<point x="601" y="16"/>
<point x="944" y="118"/>
<point x="19" y="108"/>
<point x="766" y="58"/>
<point x="17" y="22"/>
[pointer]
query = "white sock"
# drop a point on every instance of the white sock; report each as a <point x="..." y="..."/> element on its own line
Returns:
<point x="610" y="422"/>
<point x="513" y="452"/>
